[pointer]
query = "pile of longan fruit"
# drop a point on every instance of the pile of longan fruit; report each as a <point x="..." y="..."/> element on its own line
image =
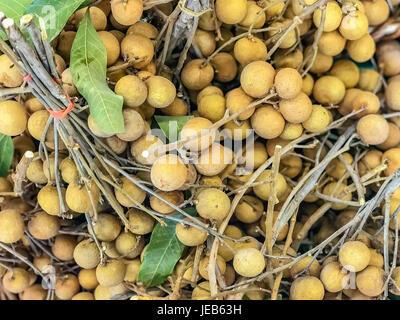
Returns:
<point x="263" y="83"/>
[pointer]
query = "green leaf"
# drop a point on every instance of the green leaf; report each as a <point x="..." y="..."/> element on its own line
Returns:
<point x="13" y="9"/>
<point x="89" y="72"/>
<point x="55" y="13"/>
<point x="6" y="154"/>
<point x="162" y="253"/>
<point x="172" y="126"/>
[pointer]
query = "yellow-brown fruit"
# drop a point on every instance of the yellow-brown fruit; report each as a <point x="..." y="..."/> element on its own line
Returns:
<point x="43" y="226"/>
<point x="313" y="268"/>
<point x="97" y="16"/>
<point x="83" y="296"/>
<point x="213" y="204"/>
<point x="13" y="118"/>
<point x="373" y="129"/>
<point x="322" y="62"/>
<point x="231" y="11"/>
<point x="144" y="151"/>
<point x="10" y="77"/>
<point x="33" y="105"/>
<point x="34" y="292"/>
<point x="392" y="156"/>
<point x="132" y="270"/>
<point x="205" y="41"/>
<point x="130" y="189"/>
<point x="371" y="160"/>
<point x="362" y="49"/>
<point x="134" y="125"/>
<point x="291" y="131"/>
<point x="337" y="191"/>
<point x="392" y="95"/>
<point x="168" y="173"/>
<point x="212" y="107"/>
<point x="370" y="80"/>
<point x="371" y="281"/>
<point x="143" y="28"/>
<point x="247" y="50"/>
<point x="42" y="262"/>
<point x="127" y="12"/>
<point x="266" y="114"/>
<point x="78" y="198"/>
<point x="129" y="245"/>
<point x="238" y="132"/>
<point x="257" y="78"/>
<point x="111" y="274"/>
<point x="49" y="201"/>
<point x="68" y="83"/>
<point x="236" y="100"/>
<point x="253" y="11"/>
<point x="255" y="155"/>
<point x="376" y="11"/>
<point x="5" y="185"/>
<point x="336" y="167"/>
<point x="354" y="256"/>
<point x="86" y="254"/>
<point x="204" y="266"/>
<point x="135" y="46"/>
<point x="249" y="209"/>
<point x="331" y="43"/>
<point x="207" y="91"/>
<point x="334" y="277"/>
<point x="208" y="21"/>
<point x="162" y="92"/>
<point x="329" y="90"/>
<point x="319" y="119"/>
<point x="396" y="278"/>
<point x="174" y="197"/>
<point x="69" y="172"/>
<point x="190" y="235"/>
<point x="273" y="10"/>
<point x="16" y="280"/>
<point x="288" y="83"/>
<point x="226" y="36"/>
<point x="66" y="286"/>
<point x="65" y="41"/>
<point x="307" y="288"/>
<point x="367" y="100"/>
<point x="60" y="63"/>
<point x="225" y="67"/>
<point x="197" y="127"/>
<point x="196" y="74"/>
<point x="286" y="59"/>
<point x="37" y="123"/>
<point x="214" y="160"/>
<point x="177" y="108"/>
<point x="63" y="247"/>
<point x="308" y="84"/>
<point x="297" y="109"/>
<point x="388" y="53"/>
<point x="376" y="259"/>
<point x="140" y="222"/>
<point x="393" y="139"/>
<point x="289" y="40"/>
<point x="87" y="279"/>
<point x="249" y="262"/>
<point x="333" y="16"/>
<point x="263" y="191"/>
<point x="347" y="71"/>
<point x="107" y="227"/>
<point x="354" y="25"/>
<point x="11" y="226"/>
<point x="132" y="89"/>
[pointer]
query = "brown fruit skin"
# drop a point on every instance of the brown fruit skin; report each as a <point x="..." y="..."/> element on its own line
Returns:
<point x="111" y="274"/>
<point x="143" y="28"/>
<point x="43" y="226"/>
<point x="177" y="108"/>
<point x="127" y="12"/>
<point x="194" y="127"/>
<point x="393" y="139"/>
<point x="231" y="11"/>
<point x="132" y="190"/>
<point x="137" y="46"/>
<point x="65" y="42"/>
<point x="87" y="279"/>
<point x="237" y="100"/>
<point x="392" y="156"/>
<point x="196" y="76"/>
<point x="333" y="277"/>
<point x="225" y="67"/>
<point x="388" y="53"/>
<point x="16" y="280"/>
<point x="329" y="90"/>
<point x="307" y="288"/>
<point x="377" y="11"/>
<point x="174" y="197"/>
<point x="63" y="247"/>
<point x="365" y="99"/>
<point x="66" y="286"/>
<point x="392" y="95"/>
<point x="189" y="235"/>
<point x="13" y="118"/>
<point x="354" y="256"/>
<point x="98" y="18"/>
<point x="247" y="50"/>
<point x="297" y="109"/>
<point x="248" y="262"/>
<point x="168" y="173"/>
<point x="257" y="78"/>
<point x="49" y="201"/>
<point x="161" y="92"/>
<point x="140" y="222"/>
<point x="331" y="43"/>
<point x="371" y="281"/>
<point x="11" y="226"/>
<point x="132" y="89"/>
<point x="362" y="49"/>
<point x="205" y="41"/>
<point x="34" y="292"/>
<point x="213" y="204"/>
<point x="86" y="254"/>
<point x="78" y="199"/>
<point x="333" y="17"/>
<point x="10" y="77"/>
<point x="373" y="129"/>
<point x="266" y="114"/>
<point x="347" y="71"/>
<point x="214" y="160"/>
<point x="288" y="83"/>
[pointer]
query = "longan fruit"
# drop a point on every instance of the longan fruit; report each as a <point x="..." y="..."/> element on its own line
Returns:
<point x="251" y="49"/>
<point x="42" y="262"/>
<point x="213" y="204"/>
<point x="43" y="226"/>
<point x="118" y="34"/>
<point x="136" y="46"/>
<point x="354" y="25"/>
<point x="162" y="92"/>
<point x="198" y="126"/>
<point x="253" y="10"/>
<point x="204" y="266"/>
<point x="134" y="125"/>
<point x="208" y="21"/>
<point x="132" y="89"/>
<point x="97" y="16"/>
<point x="319" y="119"/>
<point x="365" y="99"/>
<point x="388" y="53"/>
<point x="87" y="279"/>
<point x="392" y="95"/>
<point x="178" y="107"/>
<point x="263" y="191"/>
<point x="214" y="160"/>
<point x="143" y="149"/>
<point x="322" y="62"/>
<point x="132" y="270"/>
<point x="334" y="277"/>
<point x="212" y="107"/>
<point x="63" y="247"/>
<point x="393" y="139"/>
<point x="307" y="288"/>
<point x="127" y="12"/>
<point x="201" y="291"/>
<point x="287" y="59"/>
<point x="68" y="83"/>
<point x="196" y="74"/>
<point x="291" y="165"/>
<point x="331" y="43"/>
<point x="354" y="256"/>
<point x="78" y="198"/>
<point x="226" y="35"/>
<point x="168" y="173"/>
<point x="205" y="41"/>
<point x="370" y="281"/>
<point x="189" y="235"/>
<point x="86" y="254"/>
<point x="257" y="78"/>
<point x="373" y="129"/>
<point x="396" y="277"/>
<point x="37" y="124"/>
<point x="336" y="190"/>
<point x="140" y="222"/>
<point x="376" y="259"/>
<point x="289" y="40"/>
<point x="66" y="286"/>
<point x="347" y="71"/>
<point x="5" y="185"/>
<point x="249" y="209"/>
<point x="297" y="109"/>
<point x="65" y="41"/>
<point x="288" y="83"/>
<point x="111" y="274"/>
<point x="238" y="131"/>
<point x="255" y="155"/>
<point x="333" y="16"/>
<point x="10" y="77"/>
<point x="308" y="84"/>
<point x="13" y="118"/>
<point x="329" y="90"/>
<point x="174" y="197"/>
<point x="336" y="168"/>
<point x="16" y="280"/>
<point x="207" y="91"/>
<point x="292" y="131"/>
<point x="225" y="67"/>
<point x="33" y="105"/>
<point x="362" y="49"/>
<point x="83" y="296"/>
<point x="144" y="29"/>
<point x="69" y="172"/>
<point x="377" y="11"/>
<point x="266" y="114"/>
<point x="107" y="227"/>
<point x="371" y="160"/>
<point x="248" y="262"/>
<point x="392" y="156"/>
<point x="273" y="10"/>
<point x="34" y="292"/>
<point x="129" y="245"/>
<point x="236" y="100"/>
<point x="11" y="226"/>
<point x="231" y="11"/>
<point x="131" y="189"/>
<point x="313" y="269"/>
